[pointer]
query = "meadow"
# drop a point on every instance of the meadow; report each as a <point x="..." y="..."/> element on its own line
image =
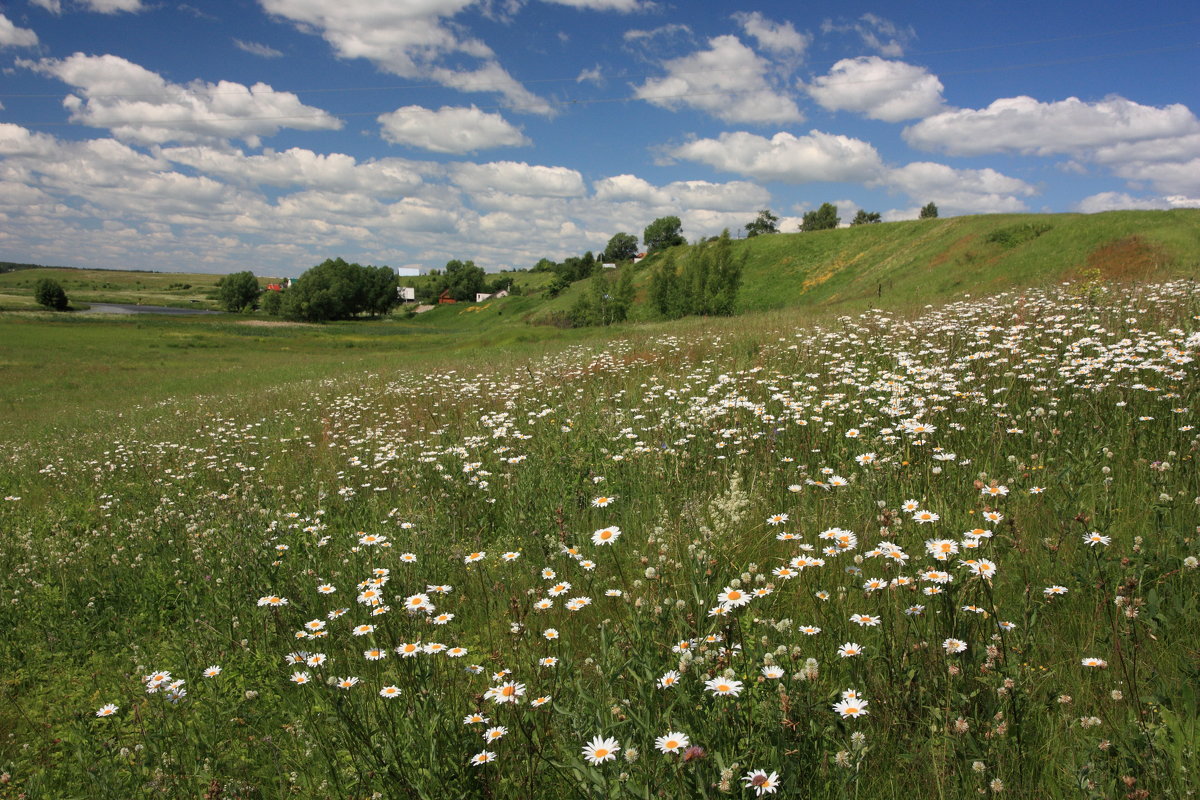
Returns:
<point x="877" y="555"/>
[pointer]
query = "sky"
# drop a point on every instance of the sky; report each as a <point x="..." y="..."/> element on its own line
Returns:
<point x="268" y="135"/>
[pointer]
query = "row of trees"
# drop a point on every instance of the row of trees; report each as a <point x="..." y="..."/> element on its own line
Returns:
<point x="462" y="280"/>
<point x="824" y="218"/>
<point x="706" y="284"/>
<point x="607" y="299"/>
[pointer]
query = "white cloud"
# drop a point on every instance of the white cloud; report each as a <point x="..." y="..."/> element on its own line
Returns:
<point x="53" y="6"/>
<point x="12" y="36"/>
<point x="690" y="195"/>
<point x="1025" y="125"/>
<point x="668" y="31"/>
<point x="410" y="38"/>
<point x="780" y="38"/>
<point x="517" y="177"/>
<point x="449" y="130"/>
<point x="874" y="87"/>
<point x="623" y="6"/>
<point x="140" y="106"/>
<point x="256" y="49"/>
<point x="114" y="6"/>
<point x="1117" y="201"/>
<point x="332" y="172"/>
<point x="963" y="191"/>
<point x="728" y="81"/>
<point x="1168" y="177"/>
<point x="881" y="35"/>
<point x="787" y="158"/>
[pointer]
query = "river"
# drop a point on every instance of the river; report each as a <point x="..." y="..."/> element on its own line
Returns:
<point x="127" y="308"/>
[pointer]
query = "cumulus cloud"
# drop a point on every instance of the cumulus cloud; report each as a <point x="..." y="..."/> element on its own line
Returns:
<point x="138" y="105"/>
<point x="961" y="191"/>
<point x="706" y="195"/>
<point x="623" y="6"/>
<point x="877" y="88"/>
<point x="517" y="177"/>
<point x="671" y="30"/>
<point x="53" y="6"/>
<point x="1169" y="177"/>
<point x="449" y="129"/>
<point x="114" y="6"/>
<point x="1025" y="125"/>
<point x="410" y="38"/>
<point x="787" y="158"/>
<point x="256" y="49"/>
<point x="331" y="172"/>
<point x="881" y="35"/>
<point x="12" y="36"/>
<point x="780" y="38"/>
<point x="728" y="81"/>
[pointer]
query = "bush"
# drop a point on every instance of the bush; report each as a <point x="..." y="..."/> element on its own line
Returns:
<point x="272" y="303"/>
<point x="50" y="294"/>
<point x="238" y="291"/>
<point x="335" y="289"/>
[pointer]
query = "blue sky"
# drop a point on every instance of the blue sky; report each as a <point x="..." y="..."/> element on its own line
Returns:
<point x="271" y="134"/>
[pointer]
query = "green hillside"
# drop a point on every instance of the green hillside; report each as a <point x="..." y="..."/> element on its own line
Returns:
<point x="906" y="264"/>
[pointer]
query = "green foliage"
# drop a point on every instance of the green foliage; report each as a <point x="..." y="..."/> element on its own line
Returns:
<point x="1014" y="235"/>
<point x="272" y="303"/>
<point x="929" y="211"/>
<point x="664" y="232"/>
<point x="706" y="285"/>
<point x="49" y="293"/>
<point x="765" y="223"/>
<point x="238" y="291"/>
<point x="557" y="286"/>
<point x="335" y="289"/>
<point x="864" y="217"/>
<point x="621" y="247"/>
<point x="606" y="301"/>
<point x="823" y="219"/>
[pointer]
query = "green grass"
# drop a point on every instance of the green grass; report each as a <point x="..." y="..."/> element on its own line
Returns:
<point x="146" y="542"/>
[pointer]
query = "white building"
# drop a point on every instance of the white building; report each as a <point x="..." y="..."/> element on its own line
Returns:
<point x="408" y="272"/>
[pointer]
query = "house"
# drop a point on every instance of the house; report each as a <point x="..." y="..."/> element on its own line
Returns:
<point x="481" y="296"/>
<point x="638" y="257"/>
<point x="609" y="266"/>
<point x="274" y="287"/>
<point x="445" y="299"/>
<point x="407" y="294"/>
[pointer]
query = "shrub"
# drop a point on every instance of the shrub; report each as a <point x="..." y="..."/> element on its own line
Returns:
<point x="50" y="294"/>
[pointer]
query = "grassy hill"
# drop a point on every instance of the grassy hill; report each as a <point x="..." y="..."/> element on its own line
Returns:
<point x="910" y="264"/>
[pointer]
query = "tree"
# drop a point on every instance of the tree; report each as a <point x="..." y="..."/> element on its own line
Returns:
<point x="335" y="289"/>
<point x="238" y="291"/>
<point x="707" y="284"/>
<point x="272" y="303"/>
<point x="621" y="247"/>
<point x="865" y="218"/>
<point x="463" y="279"/>
<point x="824" y="218"/>
<point x="764" y="224"/>
<point x="49" y="293"/>
<point x="664" y="232"/>
<point x="929" y="211"/>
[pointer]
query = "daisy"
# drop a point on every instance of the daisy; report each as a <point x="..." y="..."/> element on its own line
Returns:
<point x="809" y="630"/>
<point x="786" y="573"/>
<point x="954" y="645"/>
<point x="479" y="759"/>
<point x="669" y="678"/>
<point x="851" y="708"/>
<point x="601" y="502"/>
<point x="559" y="589"/>
<point x="492" y="734"/>
<point x="1050" y="591"/>
<point x="326" y="588"/>
<point x="723" y="687"/>
<point x="389" y="692"/>
<point x="300" y="678"/>
<point x="550" y="633"/>
<point x="456" y="652"/>
<point x="473" y="557"/>
<point x="772" y="673"/>
<point x="993" y="516"/>
<point x="363" y="630"/>
<point x="539" y="701"/>
<point x="475" y="719"/>
<point x="548" y="661"/>
<point x="509" y="692"/>
<point x="777" y="519"/>
<point x="600" y="750"/>
<point x="212" y="671"/>
<point x="606" y="535"/>
<point x="866" y="620"/>
<point x="107" y="710"/>
<point x="548" y="574"/>
<point x="442" y="619"/>
<point x="733" y="598"/>
<point x="1094" y="662"/>
<point x="409" y="649"/>
<point x="543" y="604"/>
<point x="673" y="742"/>
<point x="1095" y="537"/>
<point x="346" y="683"/>
<point x="850" y="649"/>
<point x="408" y="558"/>
<point x="923" y="516"/>
<point x="510" y="556"/>
<point x="374" y="655"/>
<point x="613" y="593"/>
<point x="418" y="602"/>
<point x="761" y="782"/>
<point x="787" y="537"/>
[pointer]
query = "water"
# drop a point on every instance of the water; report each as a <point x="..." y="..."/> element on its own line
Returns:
<point x="126" y="308"/>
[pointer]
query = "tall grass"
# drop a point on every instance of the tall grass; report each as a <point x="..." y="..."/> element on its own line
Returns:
<point x="297" y="546"/>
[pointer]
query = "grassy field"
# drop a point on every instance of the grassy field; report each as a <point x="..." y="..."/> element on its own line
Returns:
<point x="942" y="553"/>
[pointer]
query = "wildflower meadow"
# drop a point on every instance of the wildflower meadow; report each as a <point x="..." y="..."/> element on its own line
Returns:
<point x="941" y="555"/>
